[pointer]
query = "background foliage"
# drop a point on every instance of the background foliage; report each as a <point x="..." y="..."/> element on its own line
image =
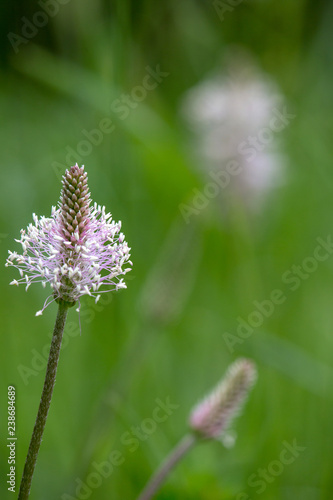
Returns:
<point x="163" y="337"/>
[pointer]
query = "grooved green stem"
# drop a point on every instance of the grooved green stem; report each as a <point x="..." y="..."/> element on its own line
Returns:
<point x="162" y="473"/>
<point x="45" y="401"/>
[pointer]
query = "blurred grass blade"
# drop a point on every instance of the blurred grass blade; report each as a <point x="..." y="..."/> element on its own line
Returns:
<point x="290" y="360"/>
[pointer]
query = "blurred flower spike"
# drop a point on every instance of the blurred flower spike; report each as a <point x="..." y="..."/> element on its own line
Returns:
<point x="212" y="416"/>
<point x="78" y="251"/>
<point x="235" y="119"/>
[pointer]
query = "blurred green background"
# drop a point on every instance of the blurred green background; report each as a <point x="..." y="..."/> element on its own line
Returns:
<point x="164" y="336"/>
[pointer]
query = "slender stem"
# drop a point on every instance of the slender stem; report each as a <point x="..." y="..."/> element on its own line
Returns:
<point x="171" y="460"/>
<point x="45" y="401"/>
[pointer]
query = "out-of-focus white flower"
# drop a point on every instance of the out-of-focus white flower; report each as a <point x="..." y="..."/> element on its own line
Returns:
<point x="238" y="117"/>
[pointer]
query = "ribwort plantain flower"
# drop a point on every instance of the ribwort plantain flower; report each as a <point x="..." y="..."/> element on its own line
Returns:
<point x="79" y="250"/>
<point x="212" y="416"/>
<point x="235" y="125"/>
<point x="209" y="419"/>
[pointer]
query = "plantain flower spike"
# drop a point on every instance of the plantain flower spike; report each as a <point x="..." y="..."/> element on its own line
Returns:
<point x="214" y="414"/>
<point x="79" y="250"/>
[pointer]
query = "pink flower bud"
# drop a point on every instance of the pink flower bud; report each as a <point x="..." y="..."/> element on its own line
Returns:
<point x="212" y="416"/>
